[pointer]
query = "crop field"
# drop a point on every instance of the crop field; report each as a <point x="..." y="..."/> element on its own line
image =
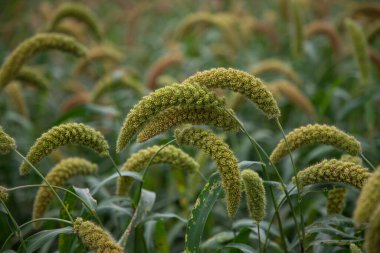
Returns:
<point x="157" y="126"/>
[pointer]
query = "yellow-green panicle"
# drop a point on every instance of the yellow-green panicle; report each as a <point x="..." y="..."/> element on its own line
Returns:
<point x="70" y="133"/>
<point x="316" y="134"/>
<point x="138" y="162"/>
<point x="222" y="155"/>
<point x="255" y="193"/>
<point x="95" y="238"/>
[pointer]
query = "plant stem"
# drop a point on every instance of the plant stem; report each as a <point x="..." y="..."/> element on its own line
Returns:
<point x="60" y="188"/>
<point x="299" y="197"/>
<point x="30" y="222"/>
<point x="114" y="164"/>
<point x="367" y="161"/>
<point x="18" y="230"/>
<point x="44" y="179"/>
<point x="124" y="238"/>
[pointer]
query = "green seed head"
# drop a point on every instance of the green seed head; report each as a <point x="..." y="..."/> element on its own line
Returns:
<point x="176" y="116"/>
<point x="316" y="134"/>
<point x="32" y="77"/>
<point x="368" y="199"/>
<point x="194" y="96"/>
<point x="255" y="193"/>
<point x="58" y="176"/>
<point x="3" y="194"/>
<point x="95" y="238"/>
<point x="222" y="155"/>
<point x="79" y="12"/>
<point x="138" y="162"/>
<point x="355" y="249"/>
<point x="118" y="79"/>
<point x="70" y="133"/>
<point x="360" y="47"/>
<point x="38" y="43"/>
<point x="336" y="200"/>
<point x="241" y="82"/>
<point x="372" y="235"/>
<point x="330" y="171"/>
<point x="7" y="143"/>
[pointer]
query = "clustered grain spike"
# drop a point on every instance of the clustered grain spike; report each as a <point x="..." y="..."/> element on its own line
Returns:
<point x="222" y="155"/>
<point x="69" y="133"/>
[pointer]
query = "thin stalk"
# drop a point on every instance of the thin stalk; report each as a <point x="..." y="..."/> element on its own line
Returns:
<point x="273" y="216"/>
<point x="367" y="161"/>
<point x="258" y="236"/>
<point x="60" y="188"/>
<point x="31" y="221"/>
<point x="201" y="175"/>
<point x="44" y="179"/>
<point x="18" y="230"/>
<point x="299" y="197"/>
<point x="114" y="164"/>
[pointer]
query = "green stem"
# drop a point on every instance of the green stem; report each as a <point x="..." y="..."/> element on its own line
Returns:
<point x="18" y="230"/>
<point x="299" y="197"/>
<point x="273" y="216"/>
<point x="367" y="161"/>
<point x="114" y="164"/>
<point x="60" y="188"/>
<point x="258" y="236"/>
<point x="30" y="222"/>
<point x="44" y="179"/>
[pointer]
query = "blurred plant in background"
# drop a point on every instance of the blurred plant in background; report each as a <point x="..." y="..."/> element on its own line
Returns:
<point x="160" y="65"/>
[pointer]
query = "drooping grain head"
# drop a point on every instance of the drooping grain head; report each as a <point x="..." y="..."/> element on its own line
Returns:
<point x="70" y="133"/>
<point x="16" y="98"/>
<point x="353" y="159"/>
<point x="195" y="96"/>
<point x="79" y="12"/>
<point x="58" y="176"/>
<point x="37" y="43"/>
<point x="32" y="77"/>
<point x="117" y="79"/>
<point x="222" y="155"/>
<point x="275" y="65"/>
<point x="140" y="160"/>
<point x="176" y="116"/>
<point x="255" y="193"/>
<point x="368" y="199"/>
<point x="336" y="200"/>
<point x="241" y="82"/>
<point x="7" y="143"/>
<point x="95" y="238"/>
<point x="355" y="249"/>
<point x="360" y="48"/>
<point x="3" y="194"/>
<point x="333" y="171"/>
<point x="372" y="235"/>
<point x="326" y="29"/>
<point x="294" y="95"/>
<point x="316" y="134"/>
<point x="160" y="66"/>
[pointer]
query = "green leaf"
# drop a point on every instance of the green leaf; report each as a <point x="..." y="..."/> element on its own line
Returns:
<point x="239" y="246"/>
<point x="155" y="236"/>
<point x="241" y="238"/>
<point x="250" y="164"/>
<point x="145" y="205"/>
<point x="39" y="239"/>
<point x="165" y="216"/>
<point x="206" y="200"/>
<point x="86" y="196"/>
<point x="136" y="176"/>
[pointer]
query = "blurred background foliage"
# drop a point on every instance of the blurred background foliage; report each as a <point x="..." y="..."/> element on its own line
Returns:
<point x="148" y="44"/>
